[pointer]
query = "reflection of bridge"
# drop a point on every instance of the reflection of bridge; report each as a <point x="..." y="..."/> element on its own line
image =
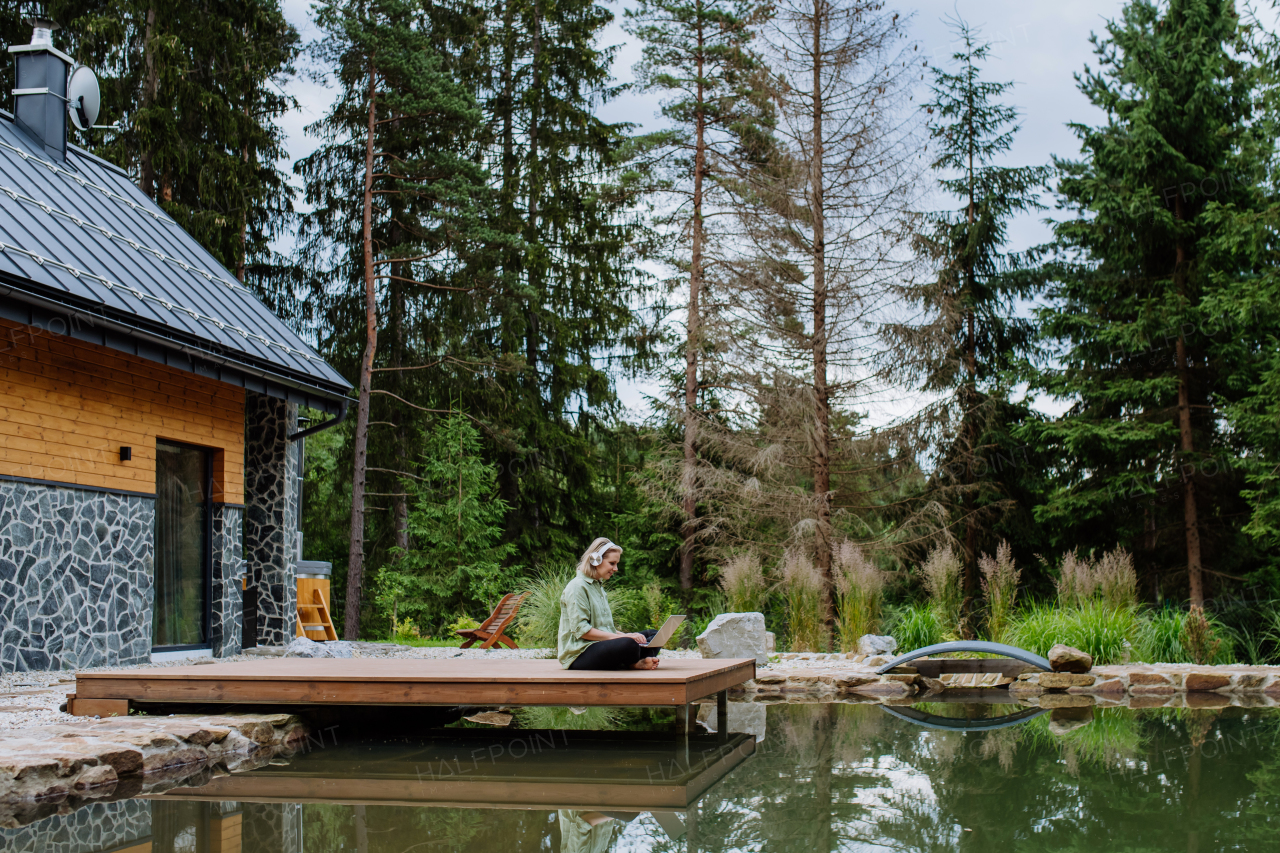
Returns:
<point x="960" y="724"/>
<point x="1021" y="659"/>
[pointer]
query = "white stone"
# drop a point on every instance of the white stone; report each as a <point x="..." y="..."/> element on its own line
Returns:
<point x="301" y="647"/>
<point x="735" y="635"/>
<point x="770" y="642"/>
<point x="872" y="644"/>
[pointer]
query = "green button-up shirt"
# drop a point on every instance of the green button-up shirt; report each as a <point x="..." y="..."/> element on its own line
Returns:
<point x="583" y="606"/>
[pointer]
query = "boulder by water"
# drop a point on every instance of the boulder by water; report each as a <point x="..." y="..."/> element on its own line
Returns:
<point x="1066" y="659"/>
<point x="735" y="635"/>
<point x="302" y="647"/>
<point x="874" y="644"/>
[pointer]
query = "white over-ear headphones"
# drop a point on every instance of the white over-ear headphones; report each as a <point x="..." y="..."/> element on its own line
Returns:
<point x="598" y="556"/>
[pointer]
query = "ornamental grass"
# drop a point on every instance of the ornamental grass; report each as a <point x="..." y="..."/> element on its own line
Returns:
<point x="803" y="592"/>
<point x="859" y="588"/>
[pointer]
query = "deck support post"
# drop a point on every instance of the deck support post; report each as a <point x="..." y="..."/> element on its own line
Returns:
<point x="722" y="715"/>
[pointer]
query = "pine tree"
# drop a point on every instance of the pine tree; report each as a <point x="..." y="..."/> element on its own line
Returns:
<point x="1127" y="312"/>
<point x="400" y="201"/>
<point x="698" y="54"/>
<point x="971" y="335"/>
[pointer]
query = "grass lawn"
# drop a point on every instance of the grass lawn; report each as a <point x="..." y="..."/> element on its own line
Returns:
<point x="423" y="643"/>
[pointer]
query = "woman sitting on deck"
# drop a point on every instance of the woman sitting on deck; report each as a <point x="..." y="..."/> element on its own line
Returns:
<point x="587" y="637"/>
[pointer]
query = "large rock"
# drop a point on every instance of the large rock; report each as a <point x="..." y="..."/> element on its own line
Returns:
<point x="302" y="647"/>
<point x="1066" y="659"/>
<point x="735" y="635"/>
<point x="872" y="644"/>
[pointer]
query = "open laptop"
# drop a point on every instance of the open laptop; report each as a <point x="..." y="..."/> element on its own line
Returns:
<point x="663" y="636"/>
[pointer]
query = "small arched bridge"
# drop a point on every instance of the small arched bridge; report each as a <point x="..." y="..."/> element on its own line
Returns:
<point x="1020" y="660"/>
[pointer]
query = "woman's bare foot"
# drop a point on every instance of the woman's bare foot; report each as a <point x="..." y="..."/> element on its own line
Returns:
<point x="646" y="663"/>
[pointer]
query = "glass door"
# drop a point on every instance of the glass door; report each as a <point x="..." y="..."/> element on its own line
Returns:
<point x="180" y="619"/>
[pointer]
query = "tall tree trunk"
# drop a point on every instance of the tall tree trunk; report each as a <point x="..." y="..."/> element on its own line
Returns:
<point x="355" y="556"/>
<point x="1190" y="510"/>
<point x="693" y="343"/>
<point x="821" y="390"/>
<point x="969" y="401"/>
<point x="400" y="502"/>
<point x="150" y="91"/>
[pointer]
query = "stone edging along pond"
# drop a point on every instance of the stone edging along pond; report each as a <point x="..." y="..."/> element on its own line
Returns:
<point x="1133" y="685"/>
<point x="50" y="767"/>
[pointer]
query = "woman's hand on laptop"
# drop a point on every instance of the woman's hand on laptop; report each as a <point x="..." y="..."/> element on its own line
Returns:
<point x="639" y="638"/>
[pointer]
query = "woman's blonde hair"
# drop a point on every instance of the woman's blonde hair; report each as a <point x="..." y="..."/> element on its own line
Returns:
<point x="584" y="563"/>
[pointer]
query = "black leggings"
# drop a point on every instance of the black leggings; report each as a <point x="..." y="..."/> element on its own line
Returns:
<point x="621" y="653"/>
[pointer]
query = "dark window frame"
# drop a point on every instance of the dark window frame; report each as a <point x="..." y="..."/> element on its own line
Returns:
<point x="206" y="557"/>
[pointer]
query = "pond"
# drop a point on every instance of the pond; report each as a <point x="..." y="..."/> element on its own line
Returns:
<point x="811" y="778"/>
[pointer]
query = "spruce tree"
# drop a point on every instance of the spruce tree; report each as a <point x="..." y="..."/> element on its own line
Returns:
<point x="563" y="322"/>
<point x="197" y="89"/>
<point x="1141" y="450"/>
<point x="697" y="53"/>
<point x="970" y="336"/>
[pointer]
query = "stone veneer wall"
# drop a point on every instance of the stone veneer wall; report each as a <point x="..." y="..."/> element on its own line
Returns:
<point x="94" y="827"/>
<point x="270" y="526"/>
<point x="226" y="619"/>
<point x="273" y="827"/>
<point x="75" y="577"/>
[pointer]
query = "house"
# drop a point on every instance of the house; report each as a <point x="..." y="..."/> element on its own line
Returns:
<point x="149" y="450"/>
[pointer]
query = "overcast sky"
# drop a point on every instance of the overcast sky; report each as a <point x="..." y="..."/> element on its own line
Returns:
<point x="1039" y="44"/>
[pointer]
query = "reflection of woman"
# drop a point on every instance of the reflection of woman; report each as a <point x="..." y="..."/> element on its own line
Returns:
<point x="589" y="832"/>
<point x="587" y="638"/>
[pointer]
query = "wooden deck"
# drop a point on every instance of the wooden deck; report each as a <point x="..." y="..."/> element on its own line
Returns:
<point x="404" y="681"/>
<point x="524" y="769"/>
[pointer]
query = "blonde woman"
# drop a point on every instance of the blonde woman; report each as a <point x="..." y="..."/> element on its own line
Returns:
<point x="587" y="637"/>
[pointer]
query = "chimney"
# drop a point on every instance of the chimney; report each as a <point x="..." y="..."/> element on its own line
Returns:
<point x="40" y="99"/>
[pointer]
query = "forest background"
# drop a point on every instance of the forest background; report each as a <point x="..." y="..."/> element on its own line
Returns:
<point x="808" y="264"/>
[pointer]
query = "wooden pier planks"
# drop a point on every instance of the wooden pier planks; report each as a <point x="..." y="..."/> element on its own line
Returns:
<point x="405" y="681"/>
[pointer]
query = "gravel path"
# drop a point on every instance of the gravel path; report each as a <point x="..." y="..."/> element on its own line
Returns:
<point x="32" y="698"/>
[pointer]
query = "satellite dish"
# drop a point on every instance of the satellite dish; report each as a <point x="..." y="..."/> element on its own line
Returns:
<point x="84" y="99"/>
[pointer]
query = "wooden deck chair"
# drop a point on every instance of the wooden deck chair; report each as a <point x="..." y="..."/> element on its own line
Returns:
<point x="314" y="617"/>
<point x="491" y="631"/>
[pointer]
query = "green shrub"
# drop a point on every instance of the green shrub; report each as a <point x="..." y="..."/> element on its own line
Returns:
<point x="463" y="623"/>
<point x="1175" y="636"/>
<point x="1094" y="627"/>
<point x="914" y="627"/>
<point x="1160" y="643"/>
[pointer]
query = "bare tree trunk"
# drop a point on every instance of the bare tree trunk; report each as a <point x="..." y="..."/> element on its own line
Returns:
<point x="150" y="90"/>
<point x="693" y="343"/>
<point x="821" y="389"/>
<point x="1190" y="516"/>
<point x="355" y="556"/>
<point x="1190" y="510"/>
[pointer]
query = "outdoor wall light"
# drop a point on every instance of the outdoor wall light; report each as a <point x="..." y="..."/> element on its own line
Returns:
<point x="126" y="453"/>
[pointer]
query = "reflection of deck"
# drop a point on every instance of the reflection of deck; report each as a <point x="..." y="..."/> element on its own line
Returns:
<point x="468" y="768"/>
<point x="306" y="681"/>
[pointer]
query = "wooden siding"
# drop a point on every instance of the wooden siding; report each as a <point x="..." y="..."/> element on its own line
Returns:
<point x="67" y="407"/>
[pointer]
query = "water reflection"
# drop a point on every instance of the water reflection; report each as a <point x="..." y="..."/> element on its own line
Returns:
<point x="826" y="778"/>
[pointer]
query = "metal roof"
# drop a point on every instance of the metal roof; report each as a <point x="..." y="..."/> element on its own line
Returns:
<point x="81" y="245"/>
